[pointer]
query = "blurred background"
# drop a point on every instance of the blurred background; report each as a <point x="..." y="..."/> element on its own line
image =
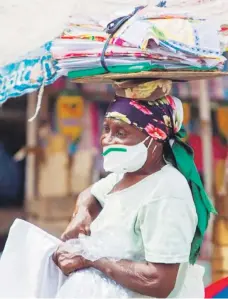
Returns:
<point x="45" y="164"/>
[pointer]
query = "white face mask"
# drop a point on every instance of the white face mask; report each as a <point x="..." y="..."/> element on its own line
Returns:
<point x="125" y="158"/>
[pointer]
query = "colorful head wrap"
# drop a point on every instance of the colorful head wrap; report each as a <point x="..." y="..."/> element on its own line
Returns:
<point x="162" y="120"/>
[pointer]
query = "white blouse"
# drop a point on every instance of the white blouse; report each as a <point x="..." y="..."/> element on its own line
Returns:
<point x="156" y="219"/>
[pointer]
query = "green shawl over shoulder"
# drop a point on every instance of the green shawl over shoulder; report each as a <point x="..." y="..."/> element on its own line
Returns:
<point x="184" y="161"/>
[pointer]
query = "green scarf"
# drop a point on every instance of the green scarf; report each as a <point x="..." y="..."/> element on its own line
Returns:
<point x="184" y="161"/>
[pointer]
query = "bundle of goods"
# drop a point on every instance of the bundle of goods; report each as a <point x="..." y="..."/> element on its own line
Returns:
<point x="140" y="44"/>
<point x="109" y="39"/>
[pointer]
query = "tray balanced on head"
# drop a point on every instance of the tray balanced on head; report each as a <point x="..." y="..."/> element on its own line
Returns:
<point x="169" y="75"/>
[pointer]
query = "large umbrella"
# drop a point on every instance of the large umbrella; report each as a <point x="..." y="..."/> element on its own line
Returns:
<point x="26" y="25"/>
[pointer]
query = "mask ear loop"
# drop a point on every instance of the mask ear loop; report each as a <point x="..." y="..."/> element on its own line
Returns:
<point x="151" y="140"/>
<point x="154" y="149"/>
<point x="146" y="139"/>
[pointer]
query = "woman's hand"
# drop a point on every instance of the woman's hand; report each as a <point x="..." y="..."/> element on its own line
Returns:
<point x="80" y="224"/>
<point x="68" y="260"/>
<point x="87" y="209"/>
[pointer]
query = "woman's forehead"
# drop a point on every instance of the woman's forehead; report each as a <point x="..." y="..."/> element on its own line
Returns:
<point x="118" y="124"/>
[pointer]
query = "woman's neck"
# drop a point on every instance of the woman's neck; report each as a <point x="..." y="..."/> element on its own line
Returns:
<point x="149" y="167"/>
<point x="131" y="178"/>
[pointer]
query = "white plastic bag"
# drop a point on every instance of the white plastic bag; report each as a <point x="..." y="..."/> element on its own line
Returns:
<point x="91" y="283"/>
<point x="192" y="286"/>
<point x="28" y="271"/>
<point x="26" y="266"/>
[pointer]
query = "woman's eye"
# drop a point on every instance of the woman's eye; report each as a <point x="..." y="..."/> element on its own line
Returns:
<point x="121" y="134"/>
<point x="106" y="129"/>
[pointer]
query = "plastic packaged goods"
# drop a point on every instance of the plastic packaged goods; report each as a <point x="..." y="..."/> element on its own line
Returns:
<point x="91" y="283"/>
<point x="28" y="271"/>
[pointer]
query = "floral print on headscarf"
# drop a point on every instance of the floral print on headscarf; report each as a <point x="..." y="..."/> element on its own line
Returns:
<point x="160" y="119"/>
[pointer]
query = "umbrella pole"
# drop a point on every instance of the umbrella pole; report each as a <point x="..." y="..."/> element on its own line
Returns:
<point x="31" y="140"/>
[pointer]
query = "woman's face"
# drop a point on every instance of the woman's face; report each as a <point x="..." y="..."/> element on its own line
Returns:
<point x="118" y="132"/>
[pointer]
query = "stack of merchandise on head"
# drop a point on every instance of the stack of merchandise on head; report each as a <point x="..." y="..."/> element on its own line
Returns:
<point x="142" y="41"/>
<point x="158" y="36"/>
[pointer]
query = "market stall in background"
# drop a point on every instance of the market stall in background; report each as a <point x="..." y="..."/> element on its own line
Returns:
<point x="63" y="156"/>
<point x="50" y="160"/>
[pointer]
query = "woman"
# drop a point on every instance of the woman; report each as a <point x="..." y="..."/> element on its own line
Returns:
<point x="153" y="198"/>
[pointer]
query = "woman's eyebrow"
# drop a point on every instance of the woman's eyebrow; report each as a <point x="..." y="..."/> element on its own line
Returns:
<point x="121" y="126"/>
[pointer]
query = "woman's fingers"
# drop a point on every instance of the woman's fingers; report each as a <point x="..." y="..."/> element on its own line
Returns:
<point x="56" y="254"/>
<point x="69" y="235"/>
<point x="65" y="266"/>
<point x="72" y="231"/>
<point x="80" y="224"/>
<point x="64" y="237"/>
<point x="60" y="250"/>
<point x="87" y="231"/>
<point x="55" y="258"/>
<point x="68" y="262"/>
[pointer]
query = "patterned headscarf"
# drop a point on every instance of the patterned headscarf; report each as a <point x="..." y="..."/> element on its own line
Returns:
<point x="162" y="120"/>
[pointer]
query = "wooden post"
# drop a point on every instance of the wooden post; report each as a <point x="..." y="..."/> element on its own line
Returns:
<point x="207" y="150"/>
<point x="206" y="135"/>
<point x="47" y="206"/>
<point x="31" y="136"/>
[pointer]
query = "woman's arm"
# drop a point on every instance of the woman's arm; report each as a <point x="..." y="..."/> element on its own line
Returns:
<point x="150" y="279"/>
<point x="86" y="210"/>
<point x="87" y="202"/>
<point x="88" y="206"/>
